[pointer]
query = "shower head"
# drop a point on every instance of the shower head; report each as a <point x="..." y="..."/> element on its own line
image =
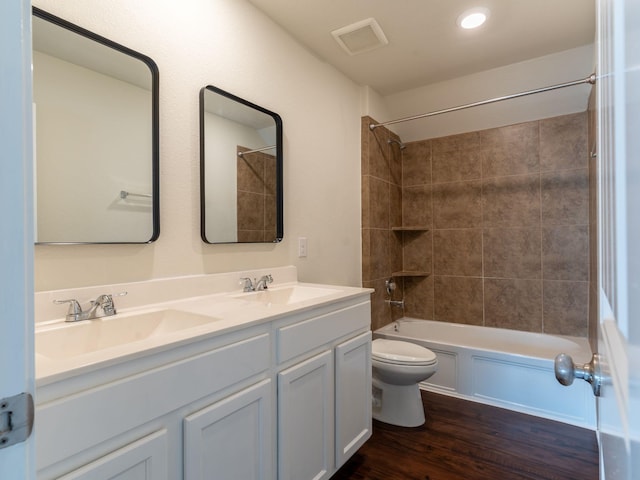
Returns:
<point x="400" y="144"/>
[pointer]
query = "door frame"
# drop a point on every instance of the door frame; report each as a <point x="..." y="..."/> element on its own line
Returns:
<point x="16" y="226"/>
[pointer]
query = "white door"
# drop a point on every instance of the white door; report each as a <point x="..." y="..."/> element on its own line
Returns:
<point x="16" y="218"/>
<point x="618" y="88"/>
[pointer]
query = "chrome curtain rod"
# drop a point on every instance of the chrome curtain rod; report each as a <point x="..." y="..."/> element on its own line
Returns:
<point x="590" y="79"/>
<point x="242" y="154"/>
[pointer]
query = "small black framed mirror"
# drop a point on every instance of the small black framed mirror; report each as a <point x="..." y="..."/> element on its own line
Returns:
<point x="96" y="137"/>
<point x="241" y="191"/>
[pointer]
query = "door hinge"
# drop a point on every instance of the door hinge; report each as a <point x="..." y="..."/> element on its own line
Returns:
<point x="16" y="419"/>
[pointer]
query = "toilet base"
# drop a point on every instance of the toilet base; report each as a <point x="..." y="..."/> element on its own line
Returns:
<point x="399" y="405"/>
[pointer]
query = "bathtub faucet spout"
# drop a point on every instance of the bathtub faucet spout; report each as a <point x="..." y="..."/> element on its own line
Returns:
<point x="396" y="303"/>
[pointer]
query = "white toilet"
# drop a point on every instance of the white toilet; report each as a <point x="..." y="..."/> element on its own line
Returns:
<point x="398" y="367"/>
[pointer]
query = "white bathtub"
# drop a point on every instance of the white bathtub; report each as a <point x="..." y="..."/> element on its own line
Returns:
<point x="500" y="367"/>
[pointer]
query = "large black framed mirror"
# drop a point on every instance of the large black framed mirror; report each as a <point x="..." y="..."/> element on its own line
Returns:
<point x="240" y="170"/>
<point x="96" y="137"/>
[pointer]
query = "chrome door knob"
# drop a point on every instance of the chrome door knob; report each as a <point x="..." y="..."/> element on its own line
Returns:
<point x="566" y="371"/>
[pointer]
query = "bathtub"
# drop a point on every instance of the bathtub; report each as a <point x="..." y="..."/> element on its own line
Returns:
<point x="503" y="368"/>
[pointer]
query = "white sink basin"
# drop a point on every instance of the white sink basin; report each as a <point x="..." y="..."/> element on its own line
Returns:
<point x="287" y="295"/>
<point x="75" y="339"/>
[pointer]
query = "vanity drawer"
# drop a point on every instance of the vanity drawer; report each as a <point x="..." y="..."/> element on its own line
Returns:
<point x="298" y="338"/>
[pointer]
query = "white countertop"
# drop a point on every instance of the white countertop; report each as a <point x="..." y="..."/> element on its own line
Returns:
<point x="229" y="311"/>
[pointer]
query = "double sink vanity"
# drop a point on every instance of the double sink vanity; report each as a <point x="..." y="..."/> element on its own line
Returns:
<point x="189" y="377"/>
<point x="193" y="378"/>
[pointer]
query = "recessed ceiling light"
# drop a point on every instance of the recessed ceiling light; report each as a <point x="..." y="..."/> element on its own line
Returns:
<point x="473" y="18"/>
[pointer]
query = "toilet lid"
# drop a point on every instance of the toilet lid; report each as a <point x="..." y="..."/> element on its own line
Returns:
<point x="398" y="352"/>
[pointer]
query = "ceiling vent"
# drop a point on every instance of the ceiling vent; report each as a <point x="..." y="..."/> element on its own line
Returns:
<point x="360" y="37"/>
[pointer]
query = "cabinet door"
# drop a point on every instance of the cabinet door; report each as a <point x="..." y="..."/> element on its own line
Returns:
<point x="231" y="439"/>
<point x="145" y="459"/>
<point x="353" y="396"/>
<point x="305" y="419"/>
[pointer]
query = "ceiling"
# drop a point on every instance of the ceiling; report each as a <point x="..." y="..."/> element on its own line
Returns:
<point x="425" y="44"/>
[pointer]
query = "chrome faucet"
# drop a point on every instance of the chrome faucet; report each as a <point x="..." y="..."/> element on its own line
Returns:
<point x="262" y="283"/>
<point x="102" y="306"/>
<point x="255" y="285"/>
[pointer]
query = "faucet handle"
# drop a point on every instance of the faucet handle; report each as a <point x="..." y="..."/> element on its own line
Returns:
<point x="105" y="301"/>
<point x="74" y="307"/>
<point x="247" y="284"/>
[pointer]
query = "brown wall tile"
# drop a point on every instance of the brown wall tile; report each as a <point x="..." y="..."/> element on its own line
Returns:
<point x="512" y="252"/>
<point x="509" y="160"/>
<point x="379" y="309"/>
<point x="458" y="300"/>
<point x="364" y="144"/>
<point x="565" y="251"/>
<point x="456" y="166"/>
<point x="378" y="203"/>
<point x="563" y="142"/>
<point x="565" y="197"/>
<point x="270" y="183"/>
<point x="513" y="303"/>
<point x="379" y="154"/>
<point x="419" y="297"/>
<point x="250" y="236"/>
<point x="417" y="206"/>
<point x="396" y="248"/>
<point x="250" y="211"/>
<point x="395" y="205"/>
<point x="365" y="201"/>
<point x="519" y="136"/>
<point x="565" y="308"/>
<point x="503" y="235"/>
<point x="417" y="251"/>
<point x="457" y="205"/>
<point x="395" y="160"/>
<point x="380" y="262"/>
<point x="457" y="252"/>
<point x="250" y="173"/>
<point x="511" y="201"/>
<point x="416" y="163"/>
<point x="463" y="141"/>
<point x="367" y="259"/>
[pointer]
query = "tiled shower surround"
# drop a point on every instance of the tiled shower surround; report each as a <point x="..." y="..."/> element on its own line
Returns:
<point x="506" y="219"/>
<point x="256" y="177"/>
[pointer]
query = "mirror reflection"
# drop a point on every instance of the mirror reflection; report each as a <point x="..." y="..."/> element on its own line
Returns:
<point x="96" y="137"/>
<point x="240" y="170"/>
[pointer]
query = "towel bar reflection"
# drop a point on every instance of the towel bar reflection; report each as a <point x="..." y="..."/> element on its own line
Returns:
<point x="242" y="154"/>
<point x="124" y="194"/>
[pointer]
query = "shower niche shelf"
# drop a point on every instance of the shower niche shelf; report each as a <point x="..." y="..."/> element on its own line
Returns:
<point x="411" y="228"/>
<point x="413" y="273"/>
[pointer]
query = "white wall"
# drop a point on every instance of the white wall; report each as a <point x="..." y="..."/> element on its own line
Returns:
<point x="229" y="44"/>
<point x="541" y="72"/>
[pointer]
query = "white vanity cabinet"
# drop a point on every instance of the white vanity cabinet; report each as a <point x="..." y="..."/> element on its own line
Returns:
<point x="104" y="430"/>
<point x="324" y="392"/>
<point x="287" y="397"/>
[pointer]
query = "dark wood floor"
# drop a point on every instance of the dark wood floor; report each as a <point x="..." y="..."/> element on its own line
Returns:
<point x="464" y="440"/>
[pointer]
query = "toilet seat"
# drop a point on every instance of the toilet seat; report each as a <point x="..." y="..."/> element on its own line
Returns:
<point x="397" y="352"/>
